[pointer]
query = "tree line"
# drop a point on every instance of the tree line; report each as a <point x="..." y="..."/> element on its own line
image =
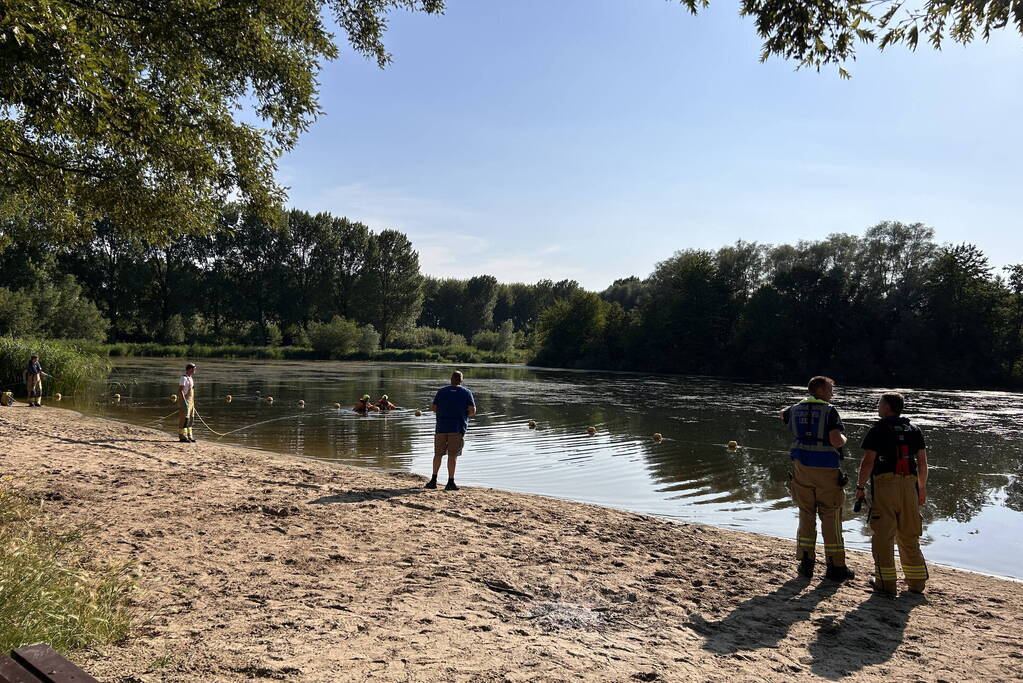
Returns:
<point x="299" y="280"/>
<point x="891" y="306"/>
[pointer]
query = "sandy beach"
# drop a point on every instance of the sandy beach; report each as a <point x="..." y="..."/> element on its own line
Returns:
<point x="254" y="565"/>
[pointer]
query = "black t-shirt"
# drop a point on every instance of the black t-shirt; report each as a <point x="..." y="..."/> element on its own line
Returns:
<point x="887" y="437"/>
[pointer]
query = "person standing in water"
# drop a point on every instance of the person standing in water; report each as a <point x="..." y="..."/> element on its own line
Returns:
<point x="454" y="405"/>
<point x="817" y="481"/>
<point x="364" y="406"/>
<point x="34" y="381"/>
<point x="186" y="404"/>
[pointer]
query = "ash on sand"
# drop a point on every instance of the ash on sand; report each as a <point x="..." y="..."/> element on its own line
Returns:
<point x="559" y="616"/>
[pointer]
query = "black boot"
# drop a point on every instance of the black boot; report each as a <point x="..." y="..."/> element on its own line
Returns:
<point x="432" y="484"/>
<point x="836" y="573"/>
<point x="806" y="565"/>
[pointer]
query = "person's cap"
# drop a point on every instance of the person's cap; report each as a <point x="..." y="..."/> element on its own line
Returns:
<point x="365" y="396"/>
<point x="384" y="397"/>
<point x="33" y="356"/>
<point x="190" y="366"/>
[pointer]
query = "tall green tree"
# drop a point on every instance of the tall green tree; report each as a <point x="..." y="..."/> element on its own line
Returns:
<point x="394" y="294"/>
<point x="341" y="256"/>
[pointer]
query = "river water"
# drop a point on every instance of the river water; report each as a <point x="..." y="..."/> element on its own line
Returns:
<point x="973" y="518"/>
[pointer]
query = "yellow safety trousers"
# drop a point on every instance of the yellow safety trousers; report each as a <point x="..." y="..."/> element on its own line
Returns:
<point x="816" y="492"/>
<point x="895" y="518"/>
<point x="186" y="415"/>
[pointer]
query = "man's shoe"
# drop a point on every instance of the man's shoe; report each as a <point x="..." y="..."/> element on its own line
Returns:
<point x="183" y="439"/>
<point x="875" y="584"/>
<point x="191" y="440"/>
<point x="451" y="485"/>
<point x="836" y="573"/>
<point x="432" y="484"/>
<point x="806" y="566"/>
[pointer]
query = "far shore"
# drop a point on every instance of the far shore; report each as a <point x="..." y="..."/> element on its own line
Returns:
<point x="261" y="566"/>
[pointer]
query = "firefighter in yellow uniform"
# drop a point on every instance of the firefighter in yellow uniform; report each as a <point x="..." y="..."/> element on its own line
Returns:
<point x="817" y="481"/>
<point x="895" y="463"/>
<point x="186" y="404"/>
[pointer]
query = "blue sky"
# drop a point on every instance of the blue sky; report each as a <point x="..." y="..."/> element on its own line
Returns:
<point x="589" y="139"/>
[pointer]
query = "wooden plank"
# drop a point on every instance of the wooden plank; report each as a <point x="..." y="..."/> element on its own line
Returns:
<point x="49" y="665"/>
<point x="12" y="672"/>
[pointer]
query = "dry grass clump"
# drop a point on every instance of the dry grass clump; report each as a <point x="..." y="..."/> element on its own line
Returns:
<point x="52" y="589"/>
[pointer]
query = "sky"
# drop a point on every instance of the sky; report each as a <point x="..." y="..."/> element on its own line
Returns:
<point x="590" y="139"/>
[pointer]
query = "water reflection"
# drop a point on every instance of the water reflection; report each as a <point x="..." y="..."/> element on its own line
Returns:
<point x="976" y="495"/>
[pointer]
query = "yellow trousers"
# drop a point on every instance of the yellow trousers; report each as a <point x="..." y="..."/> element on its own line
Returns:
<point x="817" y="493"/>
<point x="186" y="415"/>
<point x="895" y="518"/>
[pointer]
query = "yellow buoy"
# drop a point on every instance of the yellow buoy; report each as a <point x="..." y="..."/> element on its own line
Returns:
<point x="57" y="396"/>
<point x="174" y="397"/>
<point x="656" y="436"/>
<point x="532" y="424"/>
<point x="301" y="404"/>
<point x="732" y="445"/>
<point x="418" y="412"/>
<point x="591" y="430"/>
<point x="117" y="397"/>
<point x="337" y="405"/>
<point x="228" y="398"/>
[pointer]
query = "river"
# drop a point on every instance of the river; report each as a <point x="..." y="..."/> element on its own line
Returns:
<point x="973" y="518"/>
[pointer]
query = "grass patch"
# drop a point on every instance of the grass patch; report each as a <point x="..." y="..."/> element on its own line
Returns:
<point x="52" y="589"/>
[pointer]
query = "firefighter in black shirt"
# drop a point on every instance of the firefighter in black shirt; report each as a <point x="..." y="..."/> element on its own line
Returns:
<point x="895" y="462"/>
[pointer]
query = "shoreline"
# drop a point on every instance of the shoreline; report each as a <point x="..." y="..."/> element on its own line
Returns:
<point x="260" y="565"/>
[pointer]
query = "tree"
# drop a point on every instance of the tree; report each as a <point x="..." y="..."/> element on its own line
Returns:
<point x="478" y="305"/>
<point x="394" y="293"/>
<point x="818" y="32"/>
<point x="133" y="111"/>
<point x="341" y="256"/>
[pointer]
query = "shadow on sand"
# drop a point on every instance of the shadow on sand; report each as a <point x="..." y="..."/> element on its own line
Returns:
<point x="762" y="621"/>
<point x="867" y="636"/>
<point x="364" y="495"/>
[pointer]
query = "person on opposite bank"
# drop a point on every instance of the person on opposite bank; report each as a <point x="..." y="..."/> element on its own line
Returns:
<point x="186" y="404"/>
<point x="454" y="405"/>
<point x="895" y="462"/>
<point x="817" y="481"/>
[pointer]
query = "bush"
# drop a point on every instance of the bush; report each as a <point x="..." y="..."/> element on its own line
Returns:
<point x="51" y="590"/>
<point x="17" y="315"/>
<point x="485" y="340"/>
<point x="62" y="312"/>
<point x="334" y="339"/>
<point x="173" y="330"/>
<point x="423" y="337"/>
<point x="369" y="340"/>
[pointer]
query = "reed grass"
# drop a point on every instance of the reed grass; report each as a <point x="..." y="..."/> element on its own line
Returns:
<point x="70" y="363"/>
<point x="52" y="588"/>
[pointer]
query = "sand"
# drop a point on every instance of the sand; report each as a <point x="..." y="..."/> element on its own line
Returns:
<point x="254" y="566"/>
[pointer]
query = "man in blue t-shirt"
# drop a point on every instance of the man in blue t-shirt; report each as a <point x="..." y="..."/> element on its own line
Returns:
<point x="454" y="406"/>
